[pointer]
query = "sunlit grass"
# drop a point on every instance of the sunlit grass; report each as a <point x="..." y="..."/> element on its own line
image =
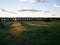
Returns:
<point x="41" y="23"/>
<point x="17" y="28"/>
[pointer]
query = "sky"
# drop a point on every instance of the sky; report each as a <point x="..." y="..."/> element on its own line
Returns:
<point x="53" y="6"/>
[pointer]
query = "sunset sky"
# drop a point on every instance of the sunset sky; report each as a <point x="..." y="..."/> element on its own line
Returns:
<point x="53" y="6"/>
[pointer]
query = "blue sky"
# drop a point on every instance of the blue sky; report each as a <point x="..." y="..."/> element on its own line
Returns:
<point x="53" y="6"/>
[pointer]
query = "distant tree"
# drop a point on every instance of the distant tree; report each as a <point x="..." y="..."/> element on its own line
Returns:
<point x="47" y="20"/>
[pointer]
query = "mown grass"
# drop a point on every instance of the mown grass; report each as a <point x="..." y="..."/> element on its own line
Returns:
<point x="33" y="35"/>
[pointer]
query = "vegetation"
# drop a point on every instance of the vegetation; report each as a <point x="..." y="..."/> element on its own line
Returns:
<point x="31" y="33"/>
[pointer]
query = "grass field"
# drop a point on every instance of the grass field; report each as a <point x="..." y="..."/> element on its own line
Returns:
<point x="30" y="33"/>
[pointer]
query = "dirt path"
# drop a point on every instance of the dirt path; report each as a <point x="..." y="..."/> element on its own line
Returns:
<point x="17" y="28"/>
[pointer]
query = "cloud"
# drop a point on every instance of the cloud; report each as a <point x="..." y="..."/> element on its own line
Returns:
<point x="38" y="0"/>
<point x="33" y="10"/>
<point x="23" y="0"/>
<point x="56" y="5"/>
<point x="33" y="0"/>
<point x="7" y="11"/>
<point x="47" y="12"/>
<point x="29" y="10"/>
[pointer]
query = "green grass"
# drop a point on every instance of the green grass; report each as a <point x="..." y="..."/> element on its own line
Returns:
<point x="33" y="35"/>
